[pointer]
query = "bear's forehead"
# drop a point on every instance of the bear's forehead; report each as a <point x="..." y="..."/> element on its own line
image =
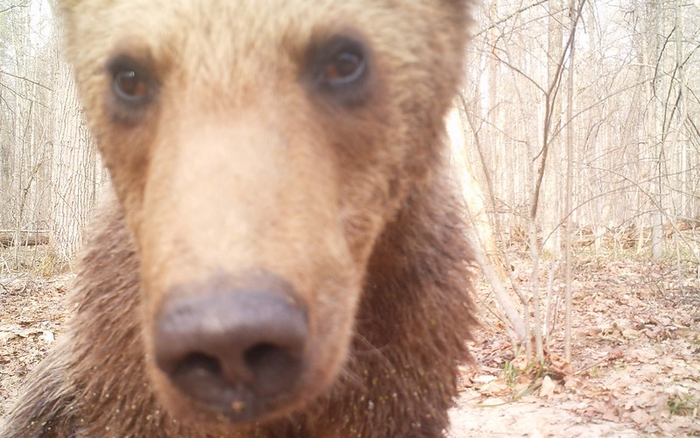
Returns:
<point x="223" y="31"/>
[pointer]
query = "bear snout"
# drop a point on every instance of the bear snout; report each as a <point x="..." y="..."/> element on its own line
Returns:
<point x="236" y="351"/>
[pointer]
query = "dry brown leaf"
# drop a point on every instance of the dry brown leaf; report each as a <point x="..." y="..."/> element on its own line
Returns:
<point x="644" y="354"/>
<point x="611" y="415"/>
<point x="640" y="417"/>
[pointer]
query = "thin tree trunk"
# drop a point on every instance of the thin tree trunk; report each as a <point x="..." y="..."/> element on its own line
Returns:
<point x="569" y="188"/>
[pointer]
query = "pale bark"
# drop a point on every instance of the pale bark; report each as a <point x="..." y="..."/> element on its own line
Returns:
<point x="481" y="236"/>
<point x="569" y="189"/>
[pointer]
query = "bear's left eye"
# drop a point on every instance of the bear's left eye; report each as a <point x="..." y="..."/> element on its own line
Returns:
<point x="339" y="70"/>
<point x="345" y="67"/>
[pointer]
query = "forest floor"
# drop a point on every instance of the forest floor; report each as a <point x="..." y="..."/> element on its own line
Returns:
<point x="635" y="372"/>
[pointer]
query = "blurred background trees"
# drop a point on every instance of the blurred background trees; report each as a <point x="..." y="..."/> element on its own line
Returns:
<point x="49" y="171"/>
<point x="582" y="120"/>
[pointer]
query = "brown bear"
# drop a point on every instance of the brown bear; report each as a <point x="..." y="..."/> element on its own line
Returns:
<point x="284" y="253"/>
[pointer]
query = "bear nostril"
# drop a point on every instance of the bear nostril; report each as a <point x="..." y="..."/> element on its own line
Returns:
<point x="272" y="365"/>
<point x="200" y="376"/>
<point x="261" y="355"/>
<point x="199" y="363"/>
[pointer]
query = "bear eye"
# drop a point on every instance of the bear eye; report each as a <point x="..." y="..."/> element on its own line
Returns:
<point x="131" y="90"/>
<point x="130" y="86"/>
<point x="344" y="67"/>
<point x="339" y="69"/>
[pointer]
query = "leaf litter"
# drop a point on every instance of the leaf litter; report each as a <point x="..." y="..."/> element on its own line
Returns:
<point x="635" y="372"/>
<point x="635" y="369"/>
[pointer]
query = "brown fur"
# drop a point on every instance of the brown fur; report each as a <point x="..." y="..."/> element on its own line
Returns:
<point x="238" y="165"/>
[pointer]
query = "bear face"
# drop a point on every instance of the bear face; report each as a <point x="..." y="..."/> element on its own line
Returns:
<point x="250" y="141"/>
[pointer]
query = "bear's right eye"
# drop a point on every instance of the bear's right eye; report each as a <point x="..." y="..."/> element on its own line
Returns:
<point x="130" y="86"/>
<point x="131" y="89"/>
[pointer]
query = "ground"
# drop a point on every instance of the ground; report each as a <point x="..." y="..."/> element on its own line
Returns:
<point x="635" y="372"/>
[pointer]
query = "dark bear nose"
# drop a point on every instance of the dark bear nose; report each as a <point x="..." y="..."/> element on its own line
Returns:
<point x="236" y="351"/>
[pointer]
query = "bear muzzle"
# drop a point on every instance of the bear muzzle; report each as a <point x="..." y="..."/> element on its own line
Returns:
<point x="240" y="352"/>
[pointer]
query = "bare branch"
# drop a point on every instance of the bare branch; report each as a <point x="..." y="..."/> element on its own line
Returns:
<point x="26" y="80"/>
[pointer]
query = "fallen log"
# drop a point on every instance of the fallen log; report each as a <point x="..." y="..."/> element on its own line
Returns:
<point x="23" y="238"/>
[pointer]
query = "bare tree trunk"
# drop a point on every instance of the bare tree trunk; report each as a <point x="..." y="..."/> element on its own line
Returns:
<point x="569" y="186"/>
<point x="482" y="236"/>
<point x="552" y="187"/>
<point x="658" y="127"/>
<point x="73" y="169"/>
